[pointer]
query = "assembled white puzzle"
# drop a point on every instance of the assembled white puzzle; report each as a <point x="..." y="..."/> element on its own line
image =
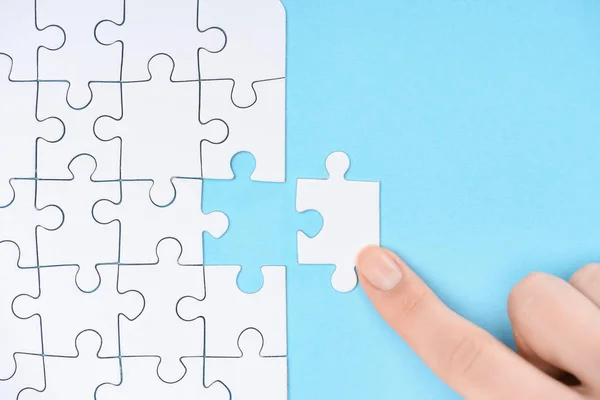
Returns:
<point x="113" y="114"/>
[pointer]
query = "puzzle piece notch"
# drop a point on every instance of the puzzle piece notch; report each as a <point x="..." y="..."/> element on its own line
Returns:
<point x="66" y="311"/>
<point x="29" y="374"/>
<point x="20" y="220"/>
<point x="151" y="109"/>
<point x="154" y="27"/>
<point x="227" y="311"/>
<point x="141" y="382"/>
<point x="350" y="210"/>
<point x="71" y="244"/>
<point x="144" y="225"/>
<point x="256" y="44"/>
<point x="78" y="376"/>
<point x="162" y="285"/>
<point x="263" y="216"/>
<point x="17" y="335"/>
<point x="78" y="130"/>
<point x="259" y="130"/>
<point x="20" y="130"/>
<point x="82" y="59"/>
<point x="250" y="376"/>
<point x="18" y="20"/>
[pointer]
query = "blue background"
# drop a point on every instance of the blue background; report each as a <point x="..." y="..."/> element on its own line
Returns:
<point x="481" y="119"/>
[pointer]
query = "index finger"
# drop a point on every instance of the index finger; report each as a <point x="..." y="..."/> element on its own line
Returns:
<point x="466" y="357"/>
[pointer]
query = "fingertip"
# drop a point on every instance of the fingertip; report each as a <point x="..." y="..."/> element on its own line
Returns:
<point x="381" y="268"/>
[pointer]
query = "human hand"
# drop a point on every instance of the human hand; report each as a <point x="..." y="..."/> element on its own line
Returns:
<point x="556" y="326"/>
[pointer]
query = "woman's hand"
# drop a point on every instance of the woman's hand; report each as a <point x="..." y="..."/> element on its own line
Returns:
<point x="556" y="326"/>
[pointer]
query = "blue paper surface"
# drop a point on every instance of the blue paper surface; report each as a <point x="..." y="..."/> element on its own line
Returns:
<point x="481" y="119"/>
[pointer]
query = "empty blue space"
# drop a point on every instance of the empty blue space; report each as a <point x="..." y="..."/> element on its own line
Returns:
<point x="482" y="122"/>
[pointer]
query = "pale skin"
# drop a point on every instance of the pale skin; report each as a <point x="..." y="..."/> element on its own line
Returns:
<point x="556" y="325"/>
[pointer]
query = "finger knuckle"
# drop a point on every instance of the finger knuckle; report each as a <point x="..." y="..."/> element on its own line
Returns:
<point x="464" y="359"/>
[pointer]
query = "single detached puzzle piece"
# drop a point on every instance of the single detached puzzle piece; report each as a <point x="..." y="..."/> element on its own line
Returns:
<point x="144" y="224"/>
<point x="19" y="129"/>
<point x="80" y="240"/>
<point x="161" y="130"/>
<point x="250" y="376"/>
<point x="21" y="219"/>
<point x="152" y="27"/>
<point x="28" y="375"/>
<point x="259" y="130"/>
<point x="16" y="335"/>
<point x="79" y="136"/>
<point x="66" y="311"/>
<point x="227" y="311"/>
<point x="350" y="211"/>
<point x="158" y="330"/>
<point x="256" y="44"/>
<point x="81" y="59"/>
<point x="77" y="377"/>
<point x="141" y="382"/>
<point x="20" y="38"/>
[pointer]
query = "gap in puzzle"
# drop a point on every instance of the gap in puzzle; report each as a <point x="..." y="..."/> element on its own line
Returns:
<point x="114" y="113"/>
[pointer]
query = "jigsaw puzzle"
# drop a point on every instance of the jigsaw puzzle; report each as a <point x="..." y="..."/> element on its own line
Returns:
<point x="114" y="114"/>
<point x="350" y="211"/>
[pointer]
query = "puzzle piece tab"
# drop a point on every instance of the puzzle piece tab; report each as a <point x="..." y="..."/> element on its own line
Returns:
<point x="80" y="240"/>
<point x="160" y="130"/>
<point x="158" y="330"/>
<point x="21" y="219"/>
<point x="140" y="382"/>
<point x="256" y="44"/>
<point x="250" y="376"/>
<point x="79" y="136"/>
<point x="144" y="224"/>
<point x="19" y="130"/>
<point x="350" y="211"/>
<point x="28" y="375"/>
<point x="67" y="311"/>
<point x="21" y="38"/>
<point x="152" y="27"/>
<point x="77" y="377"/>
<point x="259" y="129"/>
<point x="16" y="335"/>
<point x="227" y="311"/>
<point x="82" y="59"/>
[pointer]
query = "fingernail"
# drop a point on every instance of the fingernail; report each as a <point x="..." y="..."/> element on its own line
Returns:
<point x="379" y="268"/>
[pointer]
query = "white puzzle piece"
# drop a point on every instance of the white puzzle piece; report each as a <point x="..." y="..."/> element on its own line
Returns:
<point x="158" y="330"/>
<point x="259" y="130"/>
<point x="29" y="375"/>
<point x="153" y="27"/>
<point x="161" y="130"/>
<point x="19" y="130"/>
<point x="140" y="382"/>
<point x="80" y="240"/>
<point x="255" y="49"/>
<point x="227" y="311"/>
<point x="144" y="224"/>
<point x="250" y="376"/>
<point x="82" y="59"/>
<point x="350" y="211"/>
<point x="20" y="38"/>
<point x="79" y="136"/>
<point x="16" y="335"/>
<point x="79" y="376"/>
<point x="21" y="219"/>
<point x="67" y="311"/>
